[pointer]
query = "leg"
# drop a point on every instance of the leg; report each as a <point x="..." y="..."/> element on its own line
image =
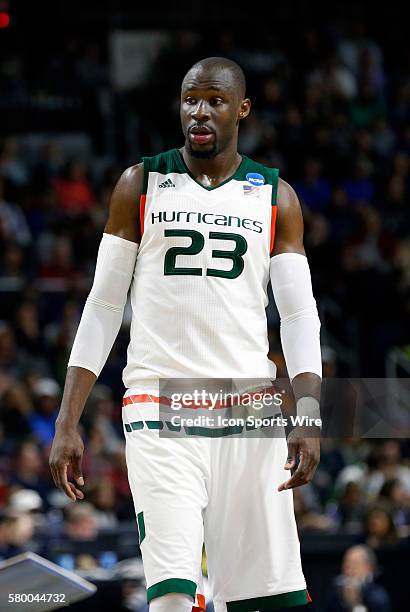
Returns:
<point x="250" y="530"/>
<point x="173" y="602"/>
<point x="169" y="493"/>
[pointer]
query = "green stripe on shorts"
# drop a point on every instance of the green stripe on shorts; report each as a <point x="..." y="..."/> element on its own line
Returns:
<point x="269" y="603"/>
<point x="141" y="526"/>
<point x="172" y="585"/>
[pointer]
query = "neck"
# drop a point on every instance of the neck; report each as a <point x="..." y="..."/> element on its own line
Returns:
<point x="217" y="169"/>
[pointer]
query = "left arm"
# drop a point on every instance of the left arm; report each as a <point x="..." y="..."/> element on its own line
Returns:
<point x="300" y="332"/>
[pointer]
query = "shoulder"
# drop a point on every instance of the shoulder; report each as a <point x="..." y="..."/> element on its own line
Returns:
<point x="289" y="221"/>
<point x="164" y="163"/>
<point x="288" y="202"/>
<point x="131" y="180"/>
<point x="123" y="219"/>
<point x="287" y="195"/>
<point x="374" y="594"/>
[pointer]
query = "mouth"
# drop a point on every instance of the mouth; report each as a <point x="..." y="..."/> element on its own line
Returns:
<point x="201" y="134"/>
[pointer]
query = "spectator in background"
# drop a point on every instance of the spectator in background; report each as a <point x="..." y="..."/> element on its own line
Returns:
<point x="394" y="493"/>
<point x="6" y="548"/>
<point x="81" y="522"/>
<point x="314" y="190"/>
<point x="47" y="395"/>
<point x="309" y="517"/>
<point x="14" y="227"/>
<point x="16" y="531"/>
<point x="379" y="527"/>
<point x="80" y="527"/>
<point x="351" y="508"/>
<point x="59" y="336"/>
<point x="12" y="266"/>
<point x="360" y="188"/>
<point x="367" y="108"/>
<point x="99" y="414"/>
<point x="13" y="360"/>
<point x="27" y="469"/>
<point x="48" y="167"/>
<point x="12" y="165"/>
<point x="27" y="329"/>
<point x="73" y="189"/>
<point x="59" y="264"/>
<point x="384" y="139"/>
<point x="335" y="78"/>
<point x="25" y="500"/>
<point x="103" y="497"/>
<point x="16" y="407"/>
<point x="390" y="466"/>
<point x="355" y="589"/>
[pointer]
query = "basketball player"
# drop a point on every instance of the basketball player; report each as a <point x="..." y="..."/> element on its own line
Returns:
<point x="196" y="233"/>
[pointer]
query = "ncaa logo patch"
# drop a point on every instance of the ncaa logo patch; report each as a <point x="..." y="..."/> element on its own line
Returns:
<point x="255" y="179"/>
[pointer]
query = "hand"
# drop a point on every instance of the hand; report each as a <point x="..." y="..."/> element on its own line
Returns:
<point x="302" y="444"/>
<point x="67" y="449"/>
<point x="352" y="595"/>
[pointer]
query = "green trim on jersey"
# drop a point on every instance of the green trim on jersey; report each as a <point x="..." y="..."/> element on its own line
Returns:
<point x="275" y="184"/>
<point x="171" y="585"/>
<point x="269" y="603"/>
<point x="172" y="162"/>
<point x="163" y="163"/>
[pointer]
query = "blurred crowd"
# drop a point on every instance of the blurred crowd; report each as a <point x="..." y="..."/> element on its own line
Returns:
<point x="331" y="109"/>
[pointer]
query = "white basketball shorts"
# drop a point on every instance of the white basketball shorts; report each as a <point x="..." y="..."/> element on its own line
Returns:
<point x="221" y="491"/>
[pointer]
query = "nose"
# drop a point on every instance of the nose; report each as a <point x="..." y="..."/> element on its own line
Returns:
<point x="201" y="112"/>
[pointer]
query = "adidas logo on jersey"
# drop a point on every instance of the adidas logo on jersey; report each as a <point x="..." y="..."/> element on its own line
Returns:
<point x="167" y="183"/>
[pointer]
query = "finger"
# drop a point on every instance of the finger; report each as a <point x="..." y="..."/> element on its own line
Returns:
<point x="56" y="476"/>
<point x="64" y="484"/>
<point x="294" y="481"/>
<point x="311" y="469"/>
<point x="299" y="476"/>
<point x="53" y="474"/>
<point x="290" y="463"/>
<point x="77" y="470"/>
<point x="78" y="494"/>
<point x="292" y="453"/>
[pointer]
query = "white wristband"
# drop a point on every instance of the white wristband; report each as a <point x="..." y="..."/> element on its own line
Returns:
<point x="309" y="407"/>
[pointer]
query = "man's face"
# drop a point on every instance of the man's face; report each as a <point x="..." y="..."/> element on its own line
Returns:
<point x="211" y="107"/>
<point x="356" y="564"/>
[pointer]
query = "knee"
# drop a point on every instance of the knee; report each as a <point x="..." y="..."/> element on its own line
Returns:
<point x="172" y="602"/>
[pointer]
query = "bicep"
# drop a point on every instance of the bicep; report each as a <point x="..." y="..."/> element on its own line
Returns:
<point x="123" y="220"/>
<point x="289" y="222"/>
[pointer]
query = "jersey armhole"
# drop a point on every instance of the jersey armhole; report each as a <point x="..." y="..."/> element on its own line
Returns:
<point x="143" y="196"/>
<point x="274" y="208"/>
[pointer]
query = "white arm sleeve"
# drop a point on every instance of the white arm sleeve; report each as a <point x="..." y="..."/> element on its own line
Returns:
<point x="103" y="310"/>
<point x="299" y="319"/>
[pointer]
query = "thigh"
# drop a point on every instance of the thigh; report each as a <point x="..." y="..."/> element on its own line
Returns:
<point x="169" y="493"/>
<point x="250" y="531"/>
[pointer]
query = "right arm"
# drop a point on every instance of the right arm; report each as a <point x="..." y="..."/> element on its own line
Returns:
<point x="99" y="326"/>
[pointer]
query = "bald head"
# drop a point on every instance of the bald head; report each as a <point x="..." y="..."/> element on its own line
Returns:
<point x="212" y="106"/>
<point x="228" y="70"/>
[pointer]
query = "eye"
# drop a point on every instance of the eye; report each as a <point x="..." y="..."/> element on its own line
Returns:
<point x="216" y="101"/>
<point x="190" y="100"/>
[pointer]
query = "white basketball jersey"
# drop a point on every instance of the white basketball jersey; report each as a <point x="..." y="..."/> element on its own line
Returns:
<point x="199" y="293"/>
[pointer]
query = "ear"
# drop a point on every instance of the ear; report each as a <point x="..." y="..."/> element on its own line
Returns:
<point x="244" y="109"/>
